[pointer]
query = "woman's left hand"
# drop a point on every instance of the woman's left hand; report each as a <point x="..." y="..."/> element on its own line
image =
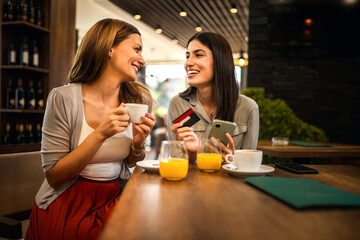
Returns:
<point x="142" y="130"/>
<point x="229" y="149"/>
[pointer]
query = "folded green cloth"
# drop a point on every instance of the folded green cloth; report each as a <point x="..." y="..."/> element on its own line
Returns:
<point x="304" y="193"/>
<point x="309" y="144"/>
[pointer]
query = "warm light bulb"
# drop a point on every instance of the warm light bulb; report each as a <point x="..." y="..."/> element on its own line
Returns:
<point x="308" y="22"/>
<point x="183" y="13"/>
<point x="198" y="29"/>
<point x="233" y="10"/>
<point x="241" y="62"/>
<point x="158" y="30"/>
<point x="137" y="16"/>
<point x="175" y="41"/>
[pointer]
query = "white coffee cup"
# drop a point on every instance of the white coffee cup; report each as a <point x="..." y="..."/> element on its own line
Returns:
<point x="246" y="159"/>
<point x="136" y="111"/>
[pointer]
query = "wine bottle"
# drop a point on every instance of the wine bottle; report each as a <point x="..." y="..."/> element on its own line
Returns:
<point x="39" y="96"/>
<point x="11" y="53"/>
<point x="20" y="136"/>
<point x="7" y="135"/>
<point x="23" y="10"/>
<point x="38" y="14"/>
<point x="38" y="133"/>
<point x="35" y="54"/>
<point x="29" y="136"/>
<point x="31" y="16"/>
<point x="20" y="95"/>
<point x="9" y="11"/>
<point x="30" y="96"/>
<point x="24" y="53"/>
<point x="10" y="95"/>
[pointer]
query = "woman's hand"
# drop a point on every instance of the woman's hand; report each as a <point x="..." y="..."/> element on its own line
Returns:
<point x="142" y="130"/>
<point x="229" y="149"/>
<point x="187" y="135"/>
<point x="115" y="122"/>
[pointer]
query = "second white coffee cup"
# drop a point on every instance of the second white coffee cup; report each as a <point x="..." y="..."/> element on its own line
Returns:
<point x="246" y="159"/>
<point x="136" y="111"/>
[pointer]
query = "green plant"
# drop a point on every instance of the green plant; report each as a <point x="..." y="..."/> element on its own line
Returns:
<point x="278" y="119"/>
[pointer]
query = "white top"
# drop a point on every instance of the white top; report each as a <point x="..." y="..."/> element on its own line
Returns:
<point x="107" y="161"/>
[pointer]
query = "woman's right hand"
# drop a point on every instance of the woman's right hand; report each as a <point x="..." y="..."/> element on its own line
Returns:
<point x="187" y="135"/>
<point x="116" y="121"/>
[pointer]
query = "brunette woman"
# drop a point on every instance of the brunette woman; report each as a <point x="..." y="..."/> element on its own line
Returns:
<point x="213" y="93"/>
<point x="88" y="142"/>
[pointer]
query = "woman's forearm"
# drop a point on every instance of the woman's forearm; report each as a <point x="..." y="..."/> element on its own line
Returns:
<point x="73" y="163"/>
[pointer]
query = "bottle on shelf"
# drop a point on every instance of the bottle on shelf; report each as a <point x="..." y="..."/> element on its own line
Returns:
<point x="20" y="136"/>
<point x="12" y="53"/>
<point x="39" y="96"/>
<point x="20" y="95"/>
<point x="35" y="54"/>
<point x="30" y="101"/>
<point x="24" y="53"/>
<point x="7" y="135"/>
<point x="38" y="14"/>
<point x="37" y="134"/>
<point x="31" y="16"/>
<point x="29" y="136"/>
<point x="23" y="10"/>
<point x="10" y="95"/>
<point x="9" y="11"/>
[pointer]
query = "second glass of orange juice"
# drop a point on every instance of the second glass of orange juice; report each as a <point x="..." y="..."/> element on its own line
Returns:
<point x="174" y="162"/>
<point x="209" y="155"/>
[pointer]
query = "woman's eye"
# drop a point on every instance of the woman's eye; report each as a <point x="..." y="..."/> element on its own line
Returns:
<point x="199" y="55"/>
<point x="137" y="50"/>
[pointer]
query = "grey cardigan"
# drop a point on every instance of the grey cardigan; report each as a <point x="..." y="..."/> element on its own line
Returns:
<point x="246" y="118"/>
<point x="60" y="135"/>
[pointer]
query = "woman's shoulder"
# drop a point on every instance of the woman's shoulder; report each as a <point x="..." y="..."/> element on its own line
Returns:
<point x="246" y="102"/>
<point x="66" y="91"/>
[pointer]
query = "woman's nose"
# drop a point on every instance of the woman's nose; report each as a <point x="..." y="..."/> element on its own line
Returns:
<point x="141" y="60"/>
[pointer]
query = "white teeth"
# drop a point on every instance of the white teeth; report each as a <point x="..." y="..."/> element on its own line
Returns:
<point x="193" y="72"/>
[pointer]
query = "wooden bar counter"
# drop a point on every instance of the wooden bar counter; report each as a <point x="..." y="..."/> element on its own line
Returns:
<point x="220" y="206"/>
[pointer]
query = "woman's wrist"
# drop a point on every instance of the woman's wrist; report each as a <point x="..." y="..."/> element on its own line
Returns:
<point x="137" y="151"/>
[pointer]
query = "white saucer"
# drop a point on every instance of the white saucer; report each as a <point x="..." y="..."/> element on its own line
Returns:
<point x="151" y="166"/>
<point x="240" y="173"/>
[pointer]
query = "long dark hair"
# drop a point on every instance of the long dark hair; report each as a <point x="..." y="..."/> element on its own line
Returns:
<point x="91" y="58"/>
<point x="225" y="88"/>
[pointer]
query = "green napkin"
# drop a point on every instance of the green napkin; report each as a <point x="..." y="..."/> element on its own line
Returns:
<point x="309" y="144"/>
<point x="302" y="193"/>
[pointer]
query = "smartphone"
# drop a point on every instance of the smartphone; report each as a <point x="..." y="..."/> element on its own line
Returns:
<point x="219" y="128"/>
<point x="295" y="167"/>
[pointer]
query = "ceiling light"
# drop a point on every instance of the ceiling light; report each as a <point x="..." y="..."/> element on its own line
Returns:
<point x="247" y="38"/>
<point x="198" y="28"/>
<point x="233" y="9"/>
<point x="242" y="62"/>
<point x="183" y="13"/>
<point x="174" y="41"/>
<point x="158" y="30"/>
<point x="137" y="16"/>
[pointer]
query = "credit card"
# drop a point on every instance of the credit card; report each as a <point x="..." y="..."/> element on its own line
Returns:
<point x="188" y="118"/>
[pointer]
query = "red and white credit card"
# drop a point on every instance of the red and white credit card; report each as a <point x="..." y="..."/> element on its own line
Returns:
<point x="188" y="118"/>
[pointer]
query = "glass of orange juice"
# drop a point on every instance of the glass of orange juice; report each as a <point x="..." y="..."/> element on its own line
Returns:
<point x="174" y="162"/>
<point x="209" y="155"/>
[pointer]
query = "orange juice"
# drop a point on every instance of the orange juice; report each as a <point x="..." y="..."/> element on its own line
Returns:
<point x="209" y="162"/>
<point x="174" y="168"/>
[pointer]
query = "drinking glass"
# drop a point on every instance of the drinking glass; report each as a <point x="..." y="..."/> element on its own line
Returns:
<point x="174" y="162"/>
<point x="209" y="155"/>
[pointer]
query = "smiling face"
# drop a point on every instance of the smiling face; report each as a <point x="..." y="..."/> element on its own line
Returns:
<point x="126" y="59"/>
<point x="199" y="65"/>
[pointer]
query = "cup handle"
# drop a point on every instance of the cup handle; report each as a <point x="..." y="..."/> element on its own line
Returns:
<point x="227" y="158"/>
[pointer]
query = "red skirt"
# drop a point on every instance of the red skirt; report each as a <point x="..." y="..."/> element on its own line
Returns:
<point x="78" y="213"/>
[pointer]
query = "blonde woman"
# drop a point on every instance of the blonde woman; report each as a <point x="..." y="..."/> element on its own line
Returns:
<point x="88" y="142"/>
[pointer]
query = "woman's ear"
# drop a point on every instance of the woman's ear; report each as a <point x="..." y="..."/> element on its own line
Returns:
<point x="110" y="53"/>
